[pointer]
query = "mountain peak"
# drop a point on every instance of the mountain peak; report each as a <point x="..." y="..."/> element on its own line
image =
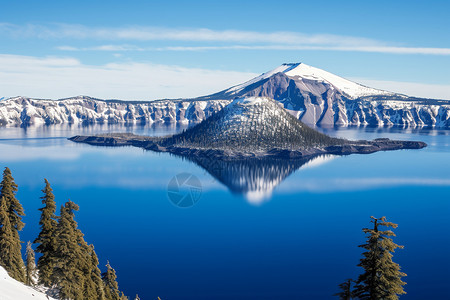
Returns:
<point x="349" y="88"/>
<point x="304" y="73"/>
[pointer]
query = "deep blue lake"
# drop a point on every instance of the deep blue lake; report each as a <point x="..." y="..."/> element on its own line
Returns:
<point x="265" y="231"/>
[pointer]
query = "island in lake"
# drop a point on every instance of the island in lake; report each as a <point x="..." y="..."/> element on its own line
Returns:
<point x="252" y="127"/>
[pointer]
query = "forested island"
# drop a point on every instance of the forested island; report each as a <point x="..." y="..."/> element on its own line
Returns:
<point x="250" y="127"/>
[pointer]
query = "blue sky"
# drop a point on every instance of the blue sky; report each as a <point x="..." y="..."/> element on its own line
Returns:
<point x="157" y="49"/>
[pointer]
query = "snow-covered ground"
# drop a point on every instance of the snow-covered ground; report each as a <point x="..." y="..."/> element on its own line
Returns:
<point x="11" y="289"/>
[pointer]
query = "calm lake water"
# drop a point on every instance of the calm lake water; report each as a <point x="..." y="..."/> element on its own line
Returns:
<point x="259" y="230"/>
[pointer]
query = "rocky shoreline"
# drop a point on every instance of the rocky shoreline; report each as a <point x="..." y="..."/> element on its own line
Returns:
<point x="152" y="143"/>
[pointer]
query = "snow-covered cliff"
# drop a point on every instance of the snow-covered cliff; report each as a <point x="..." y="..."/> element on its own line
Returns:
<point x="314" y="96"/>
<point x="26" y="111"/>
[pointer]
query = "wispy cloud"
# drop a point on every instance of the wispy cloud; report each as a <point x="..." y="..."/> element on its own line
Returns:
<point x="114" y="48"/>
<point x="375" y="49"/>
<point x="139" y="33"/>
<point x="372" y="49"/>
<point x="435" y="91"/>
<point x="59" y="77"/>
<point x="52" y="77"/>
<point x="227" y="39"/>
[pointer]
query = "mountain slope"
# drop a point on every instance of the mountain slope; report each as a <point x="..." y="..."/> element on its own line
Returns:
<point x="318" y="97"/>
<point x="314" y="96"/>
<point x="304" y="72"/>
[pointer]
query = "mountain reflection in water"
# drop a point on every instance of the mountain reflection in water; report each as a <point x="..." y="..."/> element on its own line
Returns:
<point x="255" y="178"/>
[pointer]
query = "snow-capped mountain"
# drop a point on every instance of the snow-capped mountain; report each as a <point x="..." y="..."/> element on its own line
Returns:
<point x="312" y="95"/>
<point x="318" y="97"/>
<point x="303" y="72"/>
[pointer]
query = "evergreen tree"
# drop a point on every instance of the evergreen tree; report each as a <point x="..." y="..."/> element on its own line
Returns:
<point x="75" y="271"/>
<point x="47" y="236"/>
<point x="69" y="261"/>
<point x="8" y="190"/>
<point x="11" y="222"/>
<point x="346" y="290"/>
<point x="31" y="265"/>
<point x="382" y="277"/>
<point x="110" y="282"/>
<point x="93" y="288"/>
<point x="10" y="256"/>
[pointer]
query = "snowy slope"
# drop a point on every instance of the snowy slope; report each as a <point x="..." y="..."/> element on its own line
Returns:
<point x="11" y="289"/>
<point x="349" y="88"/>
<point x="310" y="94"/>
<point x="281" y="69"/>
<point x="252" y="124"/>
<point x="352" y="89"/>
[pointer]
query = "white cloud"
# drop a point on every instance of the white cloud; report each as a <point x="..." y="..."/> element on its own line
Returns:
<point x="140" y="33"/>
<point x="434" y="91"/>
<point x="60" y="77"/>
<point x="114" y="48"/>
<point x="373" y="49"/>
<point x="248" y="40"/>
<point x="53" y="77"/>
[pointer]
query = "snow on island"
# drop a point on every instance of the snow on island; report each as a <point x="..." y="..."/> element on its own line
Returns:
<point x="250" y="127"/>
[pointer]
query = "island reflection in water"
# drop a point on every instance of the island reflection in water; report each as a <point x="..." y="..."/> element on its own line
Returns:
<point x="254" y="178"/>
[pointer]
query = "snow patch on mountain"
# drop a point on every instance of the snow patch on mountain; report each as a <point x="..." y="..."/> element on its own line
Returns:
<point x="352" y="89"/>
<point x="303" y="71"/>
<point x="281" y="69"/>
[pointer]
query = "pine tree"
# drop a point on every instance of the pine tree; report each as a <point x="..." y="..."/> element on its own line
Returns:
<point x="11" y="222"/>
<point x="110" y="282"/>
<point x="69" y="260"/>
<point x="10" y="256"/>
<point x="75" y="271"/>
<point x="30" y="266"/>
<point x="382" y="277"/>
<point x="8" y="190"/>
<point x="93" y="288"/>
<point x="47" y="236"/>
<point x="346" y="290"/>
